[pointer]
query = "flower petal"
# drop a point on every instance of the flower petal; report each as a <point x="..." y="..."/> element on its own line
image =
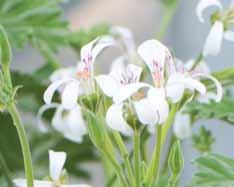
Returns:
<point x="102" y="43"/>
<point x="107" y="84"/>
<point x="41" y="125"/>
<point x="135" y="71"/>
<point x="182" y="127"/>
<point x="217" y="84"/>
<point x="146" y="112"/>
<point x="70" y="94"/>
<point x="116" y="121"/>
<point x="127" y="91"/>
<point x="75" y="124"/>
<point x="153" y="50"/>
<point x="159" y="103"/>
<point x="214" y="39"/>
<point x="63" y="73"/>
<point x="57" y="161"/>
<point x="202" y="67"/>
<point x="175" y="91"/>
<point x="126" y="36"/>
<point x="203" y="4"/>
<point x="229" y="35"/>
<point x="86" y="50"/>
<point x="48" y="94"/>
<point x="37" y="183"/>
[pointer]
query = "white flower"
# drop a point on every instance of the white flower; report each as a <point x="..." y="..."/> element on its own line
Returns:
<point x="169" y="81"/>
<point x="126" y="37"/>
<point x="182" y="126"/>
<point x="57" y="161"/>
<point x="72" y="82"/>
<point x="184" y="78"/>
<point x="70" y="123"/>
<point x="218" y="31"/>
<point x="121" y="83"/>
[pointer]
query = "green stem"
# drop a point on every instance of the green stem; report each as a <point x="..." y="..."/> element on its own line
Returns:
<point x="137" y="161"/>
<point x="24" y="143"/>
<point x="197" y="61"/>
<point x="5" y="171"/>
<point x="117" y="168"/>
<point x="169" y="12"/>
<point x="153" y="171"/>
<point x="124" y="153"/>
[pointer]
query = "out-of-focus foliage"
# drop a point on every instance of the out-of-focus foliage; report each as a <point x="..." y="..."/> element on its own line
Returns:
<point x="169" y="2"/>
<point x="203" y="141"/>
<point x="213" y="171"/>
<point x="80" y="38"/>
<point x="37" y="21"/>
<point x="223" y="110"/>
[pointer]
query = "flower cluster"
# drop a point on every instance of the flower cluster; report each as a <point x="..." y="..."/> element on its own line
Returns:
<point x="134" y="102"/>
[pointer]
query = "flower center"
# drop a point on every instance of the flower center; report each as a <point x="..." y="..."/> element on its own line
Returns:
<point x="128" y="77"/>
<point x="85" y="71"/>
<point x="157" y="73"/>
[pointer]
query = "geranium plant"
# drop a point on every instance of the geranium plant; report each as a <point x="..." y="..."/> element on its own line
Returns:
<point x="85" y="114"/>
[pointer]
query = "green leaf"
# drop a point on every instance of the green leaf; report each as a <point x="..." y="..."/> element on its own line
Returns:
<point x="36" y="22"/>
<point x="223" y="110"/>
<point x="214" y="171"/>
<point x="5" y="49"/>
<point x="203" y="141"/>
<point x="175" y="163"/>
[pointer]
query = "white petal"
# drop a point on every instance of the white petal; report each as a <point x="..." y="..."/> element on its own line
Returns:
<point x="127" y="37"/>
<point x="126" y="91"/>
<point x="146" y="112"/>
<point x="207" y="98"/>
<point x="203" y="4"/>
<point x="217" y="84"/>
<point x="57" y="161"/>
<point x="107" y="84"/>
<point x="175" y="91"/>
<point x="214" y="39"/>
<point x="58" y="120"/>
<point x="86" y="51"/>
<point x="153" y="50"/>
<point x="37" y="183"/>
<point x="118" y="68"/>
<point x="48" y="94"/>
<point x="102" y="43"/>
<point x="159" y="103"/>
<point x="188" y="82"/>
<point x="70" y="94"/>
<point x="41" y="125"/>
<point x="135" y="71"/>
<point x="182" y="126"/>
<point x="229" y="35"/>
<point x="116" y="121"/>
<point x="63" y="73"/>
<point x="75" y="124"/>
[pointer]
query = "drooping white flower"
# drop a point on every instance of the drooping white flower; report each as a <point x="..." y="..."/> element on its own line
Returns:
<point x="182" y="126"/>
<point x="57" y="161"/>
<point x="218" y="31"/>
<point x="72" y="82"/>
<point x="120" y="84"/>
<point x="70" y="122"/>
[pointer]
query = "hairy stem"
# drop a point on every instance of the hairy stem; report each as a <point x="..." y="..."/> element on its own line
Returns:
<point x="137" y="161"/>
<point x="125" y="155"/>
<point x="24" y="143"/>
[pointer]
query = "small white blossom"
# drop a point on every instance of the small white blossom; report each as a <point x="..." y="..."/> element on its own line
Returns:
<point x="57" y="161"/>
<point x="218" y="31"/>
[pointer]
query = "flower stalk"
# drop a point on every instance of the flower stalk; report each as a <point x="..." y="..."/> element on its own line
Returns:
<point x="24" y="143"/>
<point x="137" y="161"/>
